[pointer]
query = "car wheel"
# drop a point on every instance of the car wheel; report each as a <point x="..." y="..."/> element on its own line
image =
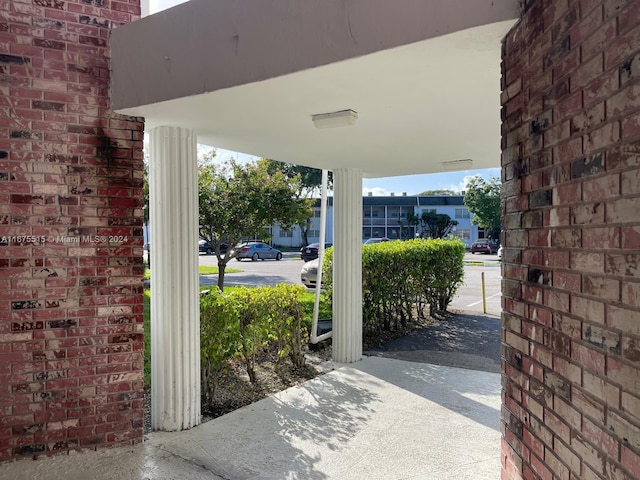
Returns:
<point x="255" y="257"/>
<point x="209" y="252"/>
<point x="238" y="259"/>
<point x="279" y="256"/>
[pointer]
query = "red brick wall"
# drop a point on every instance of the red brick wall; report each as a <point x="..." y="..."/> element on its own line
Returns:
<point x="571" y="199"/>
<point x="70" y="233"/>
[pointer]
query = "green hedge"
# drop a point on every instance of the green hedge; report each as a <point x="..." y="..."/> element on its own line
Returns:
<point x="400" y="279"/>
<point x="237" y="324"/>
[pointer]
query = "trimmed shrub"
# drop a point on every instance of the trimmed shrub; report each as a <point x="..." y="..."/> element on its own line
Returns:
<point x="254" y="324"/>
<point x="400" y="279"/>
<point x="237" y="324"/>
<point x="219" y="338"/>
<point x="439" y="271"/>
<point x="286" y="321"/>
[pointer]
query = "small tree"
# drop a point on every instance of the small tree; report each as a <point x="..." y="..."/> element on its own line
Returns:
<point x="413" y="220"/>
<point x="432" y="225"/>
<point x="310" y="181"/>
<point x="436" y="225"/>
<point x="482" y="198"/>
<point x="237" y="201"/>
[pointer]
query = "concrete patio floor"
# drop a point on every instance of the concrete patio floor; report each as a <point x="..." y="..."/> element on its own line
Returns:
<point x="379" y="418"/>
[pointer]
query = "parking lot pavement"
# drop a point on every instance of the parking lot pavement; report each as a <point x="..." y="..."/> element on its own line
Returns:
<point x="254" y="274"/>
<point x="469" y="297"/>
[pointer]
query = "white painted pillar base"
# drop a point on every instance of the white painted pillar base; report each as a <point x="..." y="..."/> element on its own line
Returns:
<point x="175" y="300"/>
<point x="347" y="265"/>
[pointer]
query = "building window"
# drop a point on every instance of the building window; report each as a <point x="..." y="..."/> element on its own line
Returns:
<point x="429" y="210"/>
<point x="393" y="233"/>
<point x="313" y="233"/>
<point x="393" y="213"/>
<point x="462" y="213"/>
<point x="316" y="213"/>
<point x="463" y="233"/>
<point x="285" y="234"/>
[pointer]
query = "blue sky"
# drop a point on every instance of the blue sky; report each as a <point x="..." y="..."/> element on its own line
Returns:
<point x="411" y="184"/>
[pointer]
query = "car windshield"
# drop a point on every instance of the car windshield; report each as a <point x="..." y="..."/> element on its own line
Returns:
<point x="375" y="240"/>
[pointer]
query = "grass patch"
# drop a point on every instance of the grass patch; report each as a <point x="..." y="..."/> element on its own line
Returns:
<point x="206" y="270"/>
<point x="307" y="299"/>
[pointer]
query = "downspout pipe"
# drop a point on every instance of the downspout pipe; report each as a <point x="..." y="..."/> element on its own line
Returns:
<point x="315" y="338"/>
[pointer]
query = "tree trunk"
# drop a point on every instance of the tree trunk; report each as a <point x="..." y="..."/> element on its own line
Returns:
<point x="304" y="232"/>
<point x="222" y="266"/>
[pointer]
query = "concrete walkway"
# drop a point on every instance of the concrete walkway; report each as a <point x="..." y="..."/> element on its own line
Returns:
<point x="380" y="418"/>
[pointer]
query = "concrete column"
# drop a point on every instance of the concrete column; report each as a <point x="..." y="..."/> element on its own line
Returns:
<point x="347" y="265"/>
<point x="175" y="300"/>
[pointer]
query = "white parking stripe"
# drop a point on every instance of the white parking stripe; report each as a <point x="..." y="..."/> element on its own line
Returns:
<point x="489" y="297"/>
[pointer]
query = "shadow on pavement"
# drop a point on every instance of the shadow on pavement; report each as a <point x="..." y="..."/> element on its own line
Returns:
<point x="463" y="340"/>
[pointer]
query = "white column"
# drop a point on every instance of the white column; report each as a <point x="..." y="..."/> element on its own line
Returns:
<point x="347" y="265"/>
<point x="175" y="300"/>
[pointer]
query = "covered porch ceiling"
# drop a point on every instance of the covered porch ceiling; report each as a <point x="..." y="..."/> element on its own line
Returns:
<point x="247" y="76"/>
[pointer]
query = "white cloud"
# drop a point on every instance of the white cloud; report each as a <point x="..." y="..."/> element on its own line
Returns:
<point x="463" y="184"/>
<point x="376" y="191"/>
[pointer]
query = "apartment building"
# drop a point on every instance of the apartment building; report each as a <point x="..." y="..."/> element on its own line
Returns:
<point x="386" y="216"/>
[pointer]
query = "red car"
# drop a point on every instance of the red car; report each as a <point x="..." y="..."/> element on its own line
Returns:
<point x="484" y="245"/>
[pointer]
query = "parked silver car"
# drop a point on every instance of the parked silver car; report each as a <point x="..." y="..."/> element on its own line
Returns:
<point x="257" y="251"/>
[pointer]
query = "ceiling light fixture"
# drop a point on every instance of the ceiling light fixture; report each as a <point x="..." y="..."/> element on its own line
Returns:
<point x="453" y="165"/>
<point x="343" y="118"/>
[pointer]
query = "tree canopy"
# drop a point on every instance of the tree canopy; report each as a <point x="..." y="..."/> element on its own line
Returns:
<point x="237" y="201"/>
<point x="308" y="181"/>
<point x="432" y="225"/>
<point x="447" y="193"/>
<point x="482" y="198"/>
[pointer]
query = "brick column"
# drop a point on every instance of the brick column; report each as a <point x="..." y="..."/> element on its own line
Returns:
<point x="571" y="287"/>
<point x="71" y="175"/>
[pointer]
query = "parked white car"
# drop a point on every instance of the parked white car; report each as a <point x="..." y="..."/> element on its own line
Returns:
<point x="309" y="273"/>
